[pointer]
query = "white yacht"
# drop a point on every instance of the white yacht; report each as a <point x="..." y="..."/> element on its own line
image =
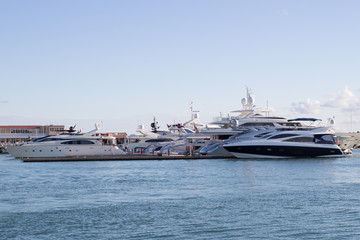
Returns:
<point x="172" y="139"/>
<point x="137" y="143"/>
<point x="248" y="117"/>
<point x="317" y="142"/>
<point x="253" y="119"/>
<point x="188" y="144"/>
<point x="68" y="144"/>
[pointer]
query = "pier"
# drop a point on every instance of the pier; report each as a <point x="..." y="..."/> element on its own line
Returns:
<point x="130" y="157"/>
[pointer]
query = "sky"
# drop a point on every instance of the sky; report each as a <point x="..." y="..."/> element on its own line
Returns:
<point x="122" y="63"/>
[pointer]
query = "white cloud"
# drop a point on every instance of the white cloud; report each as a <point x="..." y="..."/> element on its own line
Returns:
<point x="308" y="106"/>
<point x="345" y="100"/>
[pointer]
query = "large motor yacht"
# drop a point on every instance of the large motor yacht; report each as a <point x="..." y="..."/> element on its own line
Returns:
<point x="68" y="144"/>
<point x="137" y="143"/>
<point x="318" y="142"/>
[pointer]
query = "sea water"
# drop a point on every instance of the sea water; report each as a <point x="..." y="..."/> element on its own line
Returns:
<point x="314" y="198"/>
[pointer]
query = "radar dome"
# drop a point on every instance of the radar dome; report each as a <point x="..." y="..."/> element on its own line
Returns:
<point x="196" y="115"/>
<point x="251" y="100"/>
<point x="244" y="101"/>
<point x="331" y="121"/>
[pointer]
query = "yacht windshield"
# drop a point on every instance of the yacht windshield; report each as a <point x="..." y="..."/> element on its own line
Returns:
<point x="258" y="124"/>
<point x="78" y="142"/>
<point x="300" y="139"/>
<point x="324" y="139"/>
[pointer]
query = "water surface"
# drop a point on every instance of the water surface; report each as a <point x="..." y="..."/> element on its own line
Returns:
<point x="183" y="199"/>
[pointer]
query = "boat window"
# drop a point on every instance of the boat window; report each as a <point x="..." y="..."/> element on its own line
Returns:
<point x="266" y="135"/>
<point x="45" y="139"/>
<point x="258" y="124"/>
<point x="324" y="139"/>
<point x="289" y="124"/>
<point x="41" y="139"/>
<point x="78" y="142"/>
<point x="283" y="136"/>
<point x="159" y="140"/>
<point x="223" y="137"/>
<point x="108" y="142"/>
<point x="300" y="139"/>
<point x="188" y="130"/>
<point x="262" y="134"/>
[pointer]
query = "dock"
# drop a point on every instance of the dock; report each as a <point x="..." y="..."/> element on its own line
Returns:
<point x="129" y="157"/>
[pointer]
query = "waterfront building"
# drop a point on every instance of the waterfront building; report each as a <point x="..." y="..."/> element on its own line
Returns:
<point x="120" y="136"/>
<point x="21" y="133"/>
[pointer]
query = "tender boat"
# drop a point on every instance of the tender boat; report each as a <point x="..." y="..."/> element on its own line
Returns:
<point x="65" y="145"/>
<point x="317" y="142"/>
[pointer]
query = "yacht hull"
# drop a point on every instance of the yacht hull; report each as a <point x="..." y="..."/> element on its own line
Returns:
<point x="281" y="151"/>
<point x="30" y="151"/>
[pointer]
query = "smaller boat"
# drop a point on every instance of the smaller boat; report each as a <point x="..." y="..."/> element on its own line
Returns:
<point x="317" y="142"/>
<point x="67" y="145"/>
<point x="137" y="143"/>
<point x="2" y="150"/>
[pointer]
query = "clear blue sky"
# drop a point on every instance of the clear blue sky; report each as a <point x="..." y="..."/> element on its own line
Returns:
<point x="125" y="62"/>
